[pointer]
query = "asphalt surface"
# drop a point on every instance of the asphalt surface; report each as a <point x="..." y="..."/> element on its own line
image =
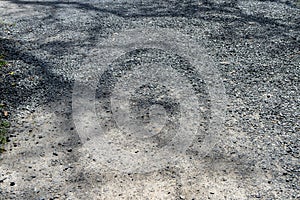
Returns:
<point x="151" y="99"/>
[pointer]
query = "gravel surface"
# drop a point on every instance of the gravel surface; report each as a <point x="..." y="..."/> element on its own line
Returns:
<point x="231" y="72"/>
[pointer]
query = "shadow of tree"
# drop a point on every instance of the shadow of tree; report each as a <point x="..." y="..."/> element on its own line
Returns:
<point x="51" y="86"/>
<point x="169" y="8"/>
<point x="227" y="12"/>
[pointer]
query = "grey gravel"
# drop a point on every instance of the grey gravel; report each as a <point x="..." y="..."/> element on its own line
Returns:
<point x="256" y="48"/>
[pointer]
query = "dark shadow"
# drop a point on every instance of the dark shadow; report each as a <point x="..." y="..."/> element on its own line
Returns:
<point x="169" y="8"/>
<point x="228" y="13"/>
<point x="48" y="88"/>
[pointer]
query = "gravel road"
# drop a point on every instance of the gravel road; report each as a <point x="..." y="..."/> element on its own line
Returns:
<point x="142" y="99"/>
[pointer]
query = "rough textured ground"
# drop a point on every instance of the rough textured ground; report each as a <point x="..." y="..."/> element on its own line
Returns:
<point x="254" y="47"/>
